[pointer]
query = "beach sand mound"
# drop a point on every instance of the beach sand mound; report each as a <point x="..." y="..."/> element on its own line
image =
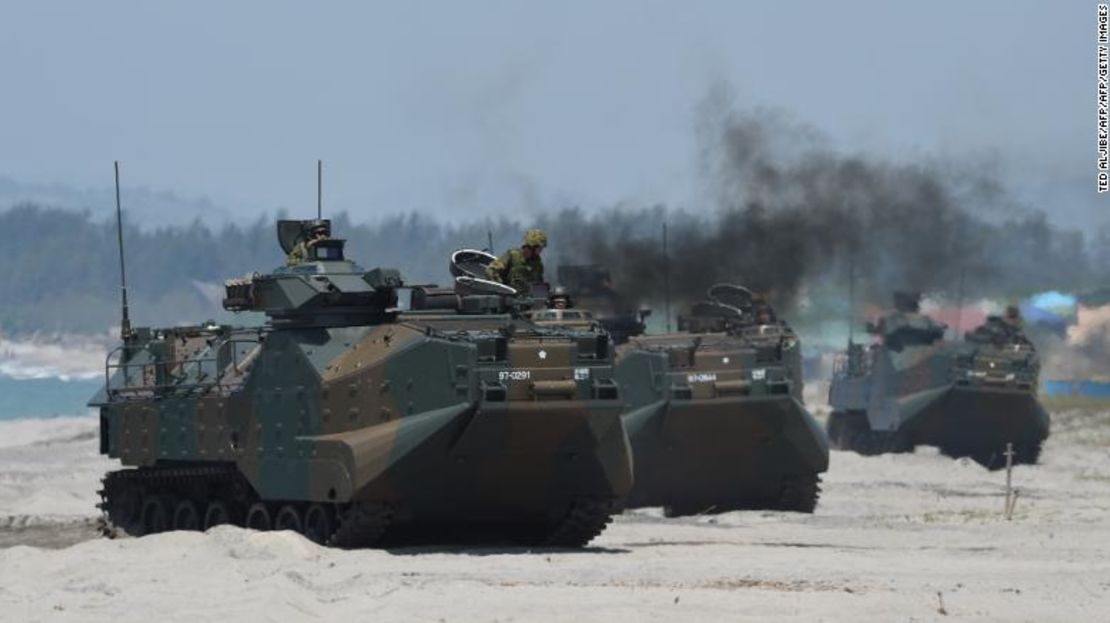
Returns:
<point x="896" y="537"/>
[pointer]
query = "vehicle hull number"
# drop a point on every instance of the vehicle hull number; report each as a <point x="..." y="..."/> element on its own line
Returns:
<point x="701" y="377"/>
<point x="514" y="375"/>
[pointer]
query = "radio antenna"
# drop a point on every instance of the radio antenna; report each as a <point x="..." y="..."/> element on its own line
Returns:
<point x="319" y="190"/>
<point x="489" y="240"/>
<point x="959" y="304"/>
<point x="666" y="278"/>
<point x="125" y="321"/>
<point x="851" y="299"/>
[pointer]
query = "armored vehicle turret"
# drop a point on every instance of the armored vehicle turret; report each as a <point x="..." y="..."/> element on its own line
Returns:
<point x="345" y="418"/>
<point x="913" y="387"/>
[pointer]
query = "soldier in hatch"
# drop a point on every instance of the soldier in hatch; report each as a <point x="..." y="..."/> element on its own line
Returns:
<point x="1005" y="329"/>
<point x="907" y="308"/>
<point x="907" y="326"/>
<point x="762" y="311"/>
<point x="299" y="253"/>
<point x="559" y="299"/>
<point x="1013" y="319"/>
<point x="520" y="268"/>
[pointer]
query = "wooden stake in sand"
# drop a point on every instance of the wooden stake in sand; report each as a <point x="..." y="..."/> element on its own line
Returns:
<point x="1011" y="495"/>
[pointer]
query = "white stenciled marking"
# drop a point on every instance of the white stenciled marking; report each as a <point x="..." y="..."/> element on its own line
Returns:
<point x="514" y="375"/>
<point x="581" y="374"/>
<point x="701" y="377"/>
<point x="759" y="374"/>
<point x="724" y="360"/>
<point x="543" y="354"/>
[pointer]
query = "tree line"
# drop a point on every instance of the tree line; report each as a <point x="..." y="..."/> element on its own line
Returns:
<point x="62" y="273"/>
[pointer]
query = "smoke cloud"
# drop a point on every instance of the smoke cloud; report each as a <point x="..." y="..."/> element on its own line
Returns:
<point x="788" y="214"/>
<point x="1084" y="352"/>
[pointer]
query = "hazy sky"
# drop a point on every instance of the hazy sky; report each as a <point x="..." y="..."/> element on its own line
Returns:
<point x="520" y="106"/>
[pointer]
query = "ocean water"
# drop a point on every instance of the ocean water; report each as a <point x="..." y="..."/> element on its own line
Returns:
<point x="52" y="396"/>
<point x="45" y="397"/>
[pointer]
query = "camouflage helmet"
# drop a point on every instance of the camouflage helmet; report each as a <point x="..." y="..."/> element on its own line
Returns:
<point x="535" y="238"/>
<point x="319" y="226"/>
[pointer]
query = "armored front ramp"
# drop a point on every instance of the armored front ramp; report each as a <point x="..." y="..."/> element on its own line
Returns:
<point x="729" y="453"/>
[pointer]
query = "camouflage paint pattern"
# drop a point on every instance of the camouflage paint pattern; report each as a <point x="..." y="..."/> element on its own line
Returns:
<point x="716" y="420"/>
<point x="446" y="418"/>
<point x="967" y="398"/>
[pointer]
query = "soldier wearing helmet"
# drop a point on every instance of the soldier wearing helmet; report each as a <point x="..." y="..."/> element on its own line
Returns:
<point x="317" y="232"/>
<point x="1004" y="329"/>
<point x="762" y="311"/>
<point x="559" y="299"/>
<point x="907" y="326"/>
<point x="520" y="268"/>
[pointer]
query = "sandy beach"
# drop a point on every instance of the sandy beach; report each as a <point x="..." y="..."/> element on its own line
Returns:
<point x="895" y="538"/>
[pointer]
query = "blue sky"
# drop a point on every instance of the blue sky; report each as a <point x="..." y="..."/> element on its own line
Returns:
<point x="457" y="108"/>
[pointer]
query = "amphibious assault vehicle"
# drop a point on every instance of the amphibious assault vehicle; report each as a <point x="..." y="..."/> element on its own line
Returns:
<point x="716" y="417"/>
<point x="715" y="411"/>
<point x="344" y="417"/>
<point x="914" y="387"/>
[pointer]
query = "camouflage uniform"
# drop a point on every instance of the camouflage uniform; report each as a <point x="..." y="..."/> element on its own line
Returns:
<point x="1005" y="329"/>
<point x="517" y="271"/>
<point x="513" y="270"/>
<point x="299" y="253"/>
<point x="1013" y="319"/>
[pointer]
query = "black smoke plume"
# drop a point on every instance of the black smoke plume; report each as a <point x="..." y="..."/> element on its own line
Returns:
<point x="781" y="211"/>
<point x="786" y="213"/>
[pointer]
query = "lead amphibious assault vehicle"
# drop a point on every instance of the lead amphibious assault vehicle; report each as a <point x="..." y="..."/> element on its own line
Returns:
<point x="344" y="418"/>
<point x="913" y="387"/>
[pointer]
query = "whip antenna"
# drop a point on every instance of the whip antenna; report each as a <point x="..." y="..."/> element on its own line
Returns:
<point x="851" y="299"/>
<point x="959" y="304"/>
<point x="319" y="190"/>
<point x="666" y="278"/>
<point x="125" y="321"/>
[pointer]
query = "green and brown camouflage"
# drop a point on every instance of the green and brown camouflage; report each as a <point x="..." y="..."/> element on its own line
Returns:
<point x="344" y="416"/>
<point x="715" y="414"/>
<point x="516" y="271"/>
<point x="914" y="387"/>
